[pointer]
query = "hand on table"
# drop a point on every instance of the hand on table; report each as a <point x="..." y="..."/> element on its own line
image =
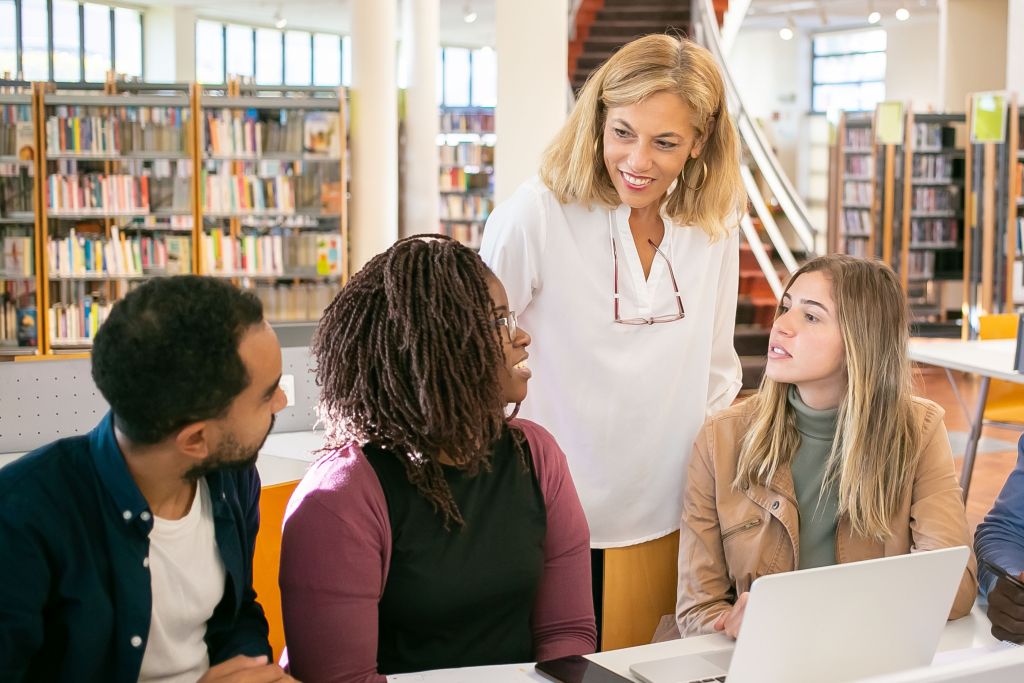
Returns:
<point x="242" y="669"/>
<point x="1006" y="610"/>
<point x="731" y="620"/>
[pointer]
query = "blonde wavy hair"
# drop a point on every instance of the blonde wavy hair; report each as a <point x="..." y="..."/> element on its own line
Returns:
<point x="573" y="165"/>
<point x="874" y="454"/>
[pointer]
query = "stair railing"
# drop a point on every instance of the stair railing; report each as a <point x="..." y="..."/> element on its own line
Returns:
<point x="706" y="32"/>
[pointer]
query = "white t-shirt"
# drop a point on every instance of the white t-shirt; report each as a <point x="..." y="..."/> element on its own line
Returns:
<point x="187" y="577"/>
<point x="625" y="402"/>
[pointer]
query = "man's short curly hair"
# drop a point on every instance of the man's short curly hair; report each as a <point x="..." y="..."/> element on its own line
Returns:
<point x="167" y="354"/>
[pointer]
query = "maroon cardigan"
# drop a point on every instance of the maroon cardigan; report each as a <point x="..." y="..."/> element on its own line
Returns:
<point x="336" y="550"/>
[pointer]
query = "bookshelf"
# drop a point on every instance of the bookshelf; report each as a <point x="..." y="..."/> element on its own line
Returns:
<point x="272" y="200"/>
<point x="853" y="214"/>
<point x="992" y="246"/>
<point x="19" y="291"/>
<point x="466" y="145"/>
<point x="120" y="187"/>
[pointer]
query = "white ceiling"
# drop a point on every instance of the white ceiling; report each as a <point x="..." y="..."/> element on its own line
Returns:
<point x="815" y="15"/>
<point x="335" y="16"/>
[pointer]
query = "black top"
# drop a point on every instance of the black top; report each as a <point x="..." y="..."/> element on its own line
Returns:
<point x="75" y="592"/>
<point x="462" y="597"/>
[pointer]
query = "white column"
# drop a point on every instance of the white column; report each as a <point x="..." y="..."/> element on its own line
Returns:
<point x="1015" y="48"/>
<point x="373" y="224"/>
<point x="964" y="25"/>
<point x="533" y="81"/>
<point x="170" y="44"/>
<point x="421" y="28"/>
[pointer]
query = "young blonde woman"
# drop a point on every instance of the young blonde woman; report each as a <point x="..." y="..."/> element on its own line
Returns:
<point x="623" y="257"/>
<point x="833" y="461"/>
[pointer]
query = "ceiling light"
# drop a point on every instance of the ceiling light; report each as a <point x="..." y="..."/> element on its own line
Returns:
<point x="786" y="33"/>
<point x="279" y="21"/>
<point x="902" y="14"/>
<point x="468" y="15"/>
<point x="874" y="18"/>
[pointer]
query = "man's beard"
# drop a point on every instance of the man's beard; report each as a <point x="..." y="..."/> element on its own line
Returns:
<point x="228" y="456"/>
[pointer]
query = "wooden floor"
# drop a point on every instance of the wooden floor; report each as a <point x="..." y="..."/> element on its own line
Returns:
<point x="990" y="469"/>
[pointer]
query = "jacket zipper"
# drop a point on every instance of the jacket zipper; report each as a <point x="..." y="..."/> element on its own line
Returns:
<point x="749" y="524"/>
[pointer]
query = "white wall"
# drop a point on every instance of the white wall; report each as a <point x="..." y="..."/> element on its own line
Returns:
<point x="1015" y="47"/>
<point x="972" y="49"/>
<point x="912" y="62"/>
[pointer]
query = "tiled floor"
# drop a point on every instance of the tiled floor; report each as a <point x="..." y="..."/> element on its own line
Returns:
<point x="990" y="469"/>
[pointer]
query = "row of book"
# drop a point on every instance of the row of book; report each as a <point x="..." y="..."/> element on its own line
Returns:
<point x="939" y="232"/>
<point x="932" y="167"/>
<point x="469" y="234"/>
<point x="17" y="257"/>
<point x="855" y="247"/>
<point x="75" y="323"/>
<point x="857" y="138"/>
<point x="466" y="207"/>
<point x="16" y="193"/>
<point x="932" y="136"/>
<point x="460" y="180"/>
<point x="930" y="199"/>
<point x="227" y="132"/>
<point x="857" y="222"/>
<point x="300" y="254"/>
<point x="467" y="154"/>
<point x="294" y="302"/>
<point x="468" y="122"/>
<point x="921" y="265"/>
<point x="18" y="313"/>
<point x="95" y="193"/>
<point x="228" y="193"/>
<point x="94" y="255"/>
<point x="857" y="192"/>
<point x="17" y="136"/>
<point x="859" y="165"/>
<point x="129" y="130"/>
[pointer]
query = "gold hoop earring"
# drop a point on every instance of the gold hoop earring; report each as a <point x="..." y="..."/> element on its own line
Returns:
<point x="703" y="177"/>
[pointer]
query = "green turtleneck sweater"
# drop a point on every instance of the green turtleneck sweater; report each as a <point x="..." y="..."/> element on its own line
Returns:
<point x="818" y="514"/>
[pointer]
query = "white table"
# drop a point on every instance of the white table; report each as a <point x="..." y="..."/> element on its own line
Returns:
<point x="989" y="359"/>
<point x="970" y="632"/>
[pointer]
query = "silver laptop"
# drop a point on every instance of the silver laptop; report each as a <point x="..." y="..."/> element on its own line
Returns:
<point x="832" y="624"/>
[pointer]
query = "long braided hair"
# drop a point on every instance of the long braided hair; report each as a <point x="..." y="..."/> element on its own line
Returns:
<point x="408" y="359"/>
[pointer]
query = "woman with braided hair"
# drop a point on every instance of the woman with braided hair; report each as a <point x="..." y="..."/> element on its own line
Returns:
<point x="433" y="532"/>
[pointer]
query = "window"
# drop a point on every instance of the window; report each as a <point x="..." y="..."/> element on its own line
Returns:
<point x="467" y="77"/>
<point x="456" y="77"/>
<point x="326" y="59"/>
<point x="238" y="47"/>
<point x="209" y="52"/>
<point x="848" y="70"/>
<point x="298" y="63"/>
<point x="485" y="78"/>
<point x="8" y="38"/>
<point x="98" y="59"/>
<point x="346" y="61"/>
<point x="68" y="41"/>
<point x="128" y="31"/>
<point x="269" y="69"/>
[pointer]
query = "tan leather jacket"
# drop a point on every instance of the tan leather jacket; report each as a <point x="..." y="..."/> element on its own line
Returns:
<point x="729" y="538"/>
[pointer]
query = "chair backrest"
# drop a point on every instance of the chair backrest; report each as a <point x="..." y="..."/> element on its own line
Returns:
<point x="998" y="326"/>
<point x="1005" y="403"/>
<point x="267" y="558"/>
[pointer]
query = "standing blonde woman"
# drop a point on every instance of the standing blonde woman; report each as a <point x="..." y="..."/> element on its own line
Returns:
<point x="833" y="461"/>
<point x="623" y="258"/>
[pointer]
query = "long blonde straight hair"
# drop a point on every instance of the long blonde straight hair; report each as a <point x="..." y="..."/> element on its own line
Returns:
<point x="573" y="165"/>
<point x="874" y="454"/>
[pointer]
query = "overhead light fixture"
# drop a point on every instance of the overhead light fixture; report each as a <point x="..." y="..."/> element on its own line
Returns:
<point x="468" y="15"/>
<point x="874" y="18"/>
<point x="279" y="20"/>
<point x="787" y="32"/>
<point x="902" y="14"/>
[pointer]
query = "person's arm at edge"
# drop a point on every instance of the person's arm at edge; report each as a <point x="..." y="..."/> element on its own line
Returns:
<point x="937" y="515"/>
<point x="1000" y="538"/>
<point x="699" y="602"/>
<point x="563" y="615"/>
<point x="726" y="373"/>
<point x="335" y="551"/>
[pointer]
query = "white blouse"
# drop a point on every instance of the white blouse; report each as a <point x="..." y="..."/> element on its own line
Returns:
<point x="625" y="402"/>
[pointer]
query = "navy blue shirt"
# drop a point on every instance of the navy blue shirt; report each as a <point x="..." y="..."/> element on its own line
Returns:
<point x="75" y="592"/>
